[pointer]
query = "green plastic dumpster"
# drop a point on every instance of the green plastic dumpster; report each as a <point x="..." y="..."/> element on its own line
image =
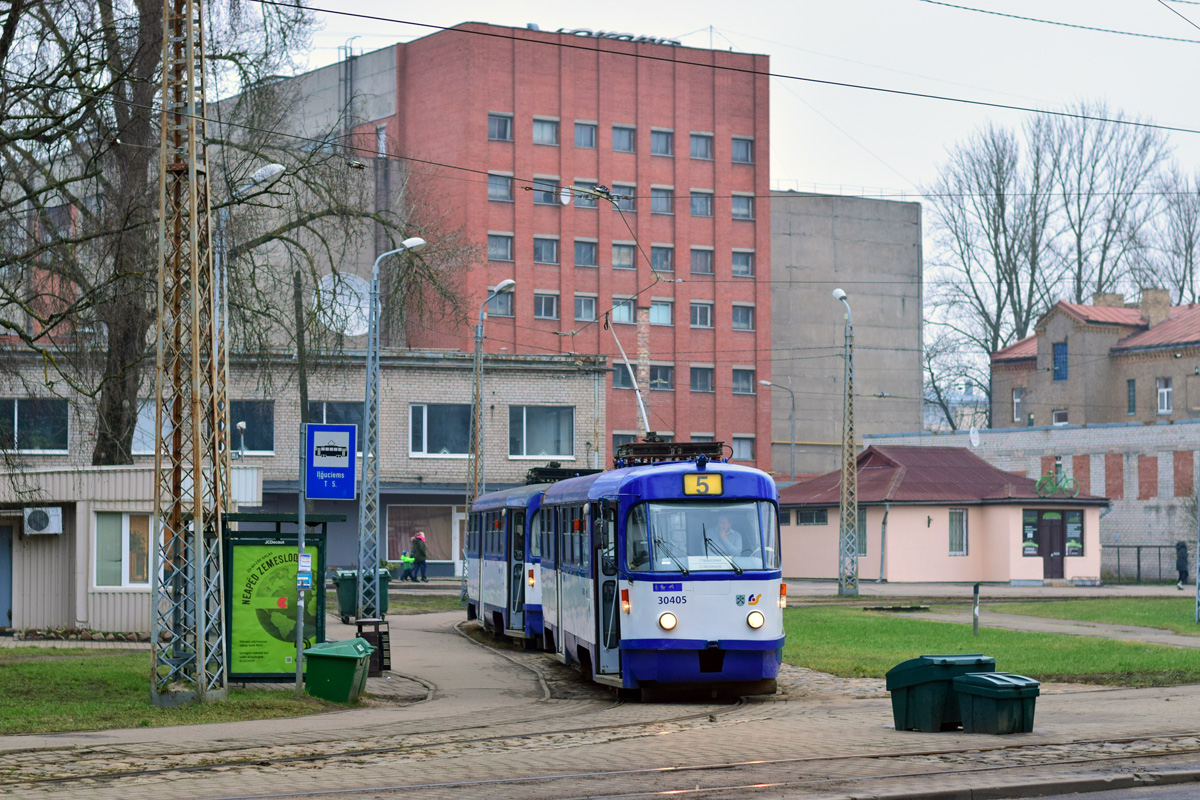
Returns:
<point x="923" y="696"/>
<point x="337" y="671"/>
<point x="346" y="581"/>
<point x="996" y="702"/>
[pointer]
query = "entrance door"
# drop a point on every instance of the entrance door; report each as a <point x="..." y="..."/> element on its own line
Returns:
<point x="1053" y="543"/>
<point x="560" y="637"/>
<point x="516" y="572"/>
<point x="6" y="540"/>
<point x="608" y="597"/>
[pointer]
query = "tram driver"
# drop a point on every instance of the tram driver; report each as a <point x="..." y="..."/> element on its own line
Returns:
<point x="732" y="541"/>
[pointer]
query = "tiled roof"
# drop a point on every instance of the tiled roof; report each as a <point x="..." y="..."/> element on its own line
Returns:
<point x="1018" y="351"/>
<point x="907" y="474"/>
<point x="1104" y="315"/>
<point x="1182" y="327"/>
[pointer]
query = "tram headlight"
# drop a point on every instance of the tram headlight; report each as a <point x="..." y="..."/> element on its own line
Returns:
<point x="756" y="619"/>
<point x="668" y="621"/>
<point x="531" y="578"/>
<point x="783" y="595"/>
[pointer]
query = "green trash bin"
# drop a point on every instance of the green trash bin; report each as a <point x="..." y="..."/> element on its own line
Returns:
<point x="346" y="581"/>
<point x="923" y="696"/>
<point x="996" y="702"/>
<point x="337" y="671"/>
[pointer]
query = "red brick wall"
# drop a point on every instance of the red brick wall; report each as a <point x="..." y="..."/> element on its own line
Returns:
<point x="1047" y="465"/>
<point x="1081" y="471"/>
<point x="1147" y="477"/>
<point x="1114" y="476"/>
<point x="1185" y="480"/>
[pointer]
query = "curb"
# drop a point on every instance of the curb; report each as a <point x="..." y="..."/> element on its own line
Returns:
<point x="1038" y="788"/>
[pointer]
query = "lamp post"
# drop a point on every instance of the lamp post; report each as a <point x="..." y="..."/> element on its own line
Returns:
<point x="848" y="538"/>
<point x="477" y="481"/>
<point x="368" y="510"/>
<point x="791" y="425"/>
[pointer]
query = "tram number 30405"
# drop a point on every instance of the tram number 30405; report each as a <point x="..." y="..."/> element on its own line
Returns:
<point x="672" y="600"/>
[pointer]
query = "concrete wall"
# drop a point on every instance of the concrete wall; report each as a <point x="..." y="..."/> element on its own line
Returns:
<point x="872" y="250"/>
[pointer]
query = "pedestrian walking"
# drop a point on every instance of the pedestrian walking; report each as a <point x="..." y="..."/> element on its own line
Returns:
<point x="1181" y="562"/>
<point x="419" y="554"/>
<point x="406" y="564"/>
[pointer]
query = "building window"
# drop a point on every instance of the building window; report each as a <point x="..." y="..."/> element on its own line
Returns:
<point x="702" y="262"/>
<point x="958" y="532"/>
<point x="585" y="135"/>
<point x="743" y="318"/>
<point x="584" y="198"/>
<point x="122" y="550"/>
<point x="702" y="146"/>
<point x="1164" y="395"/>
<point x="336" y="412"/>
<point x="1131" y="396"/>
<point x="662" y="143"/>
<point x="660" y="201"/>
<point x="701" y="437"/>
<point x="661" y="312"/>
<point x="622" y="256"/>
<point x="545" y="306"/>
<point x="545" y="251"/>
<point x="623" y="376"/>
<point x="701" y="204"/>
<point x="439" y="430"/>
<point x="37" y="424"/>
<point x="743" y="151"/>
<point x="701" y="315"/>
<point x="500" y="188"/>
<point x="585" y="308"/>
<point x="499" y="247"/>
<point x="623" y="139"/>
<point x="662" y="259"/>
<point x="662" y="377"/>
<point x="1017" y="394"/>
<point x="143" y="431"/>
<point x="545" y="193"/>
<point x="743" y="264"/>
<point x="545" y="131"/>
<point x="381" y="141"/>
<point x="1060" y="361"/>
<point x="1059" y="416"/>
<point x="622" y="310"/>
<point x="743" y="448"/>
<point x="623" y="195"/>
<point x="585" y="254"/>
<point x="499" y="128"/>
<point x="743" y="381"/>
<point x="541" y="431"/>
<point x="818" y="516"/>
<point x="501" y="305"/>
<point x="702" y="381"/>
<point x="259" y="416"/>
<point x="623" y="438"/>
<point x="743" y="207"/>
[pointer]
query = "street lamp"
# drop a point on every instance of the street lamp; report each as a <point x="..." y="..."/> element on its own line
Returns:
<point x="848" y="538"/>
<point x="368" y="509"/>
<point x="791" y="424"/>
<point x="477" y="481"/>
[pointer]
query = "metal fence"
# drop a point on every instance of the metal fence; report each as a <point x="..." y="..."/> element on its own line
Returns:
<point x="1138" y="563"/>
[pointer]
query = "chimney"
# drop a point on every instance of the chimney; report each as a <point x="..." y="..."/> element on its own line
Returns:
<point x="1108" y="299"/>
<point x="1155" y="305"/>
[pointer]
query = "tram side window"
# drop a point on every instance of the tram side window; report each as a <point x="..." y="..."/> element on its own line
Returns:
<point x="585" y="538"/>
<point x="770" y="525"/>
<point x="637" y="541"/>
<point x="535" y="536"/>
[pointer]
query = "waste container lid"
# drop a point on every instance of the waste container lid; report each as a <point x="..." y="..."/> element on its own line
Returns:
<point x="929" y="668"/>
<point x="345" y="573"/>
<point x="996" y="684"/>
<point x="350" y="648"/>
<point x="383" y="573"/>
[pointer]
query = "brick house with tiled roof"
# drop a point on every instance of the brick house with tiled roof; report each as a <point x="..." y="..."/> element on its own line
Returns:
<point x="1102" y="363"/>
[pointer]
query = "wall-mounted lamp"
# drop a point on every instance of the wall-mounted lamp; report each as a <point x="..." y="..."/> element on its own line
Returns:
<point x="928" y="521"/>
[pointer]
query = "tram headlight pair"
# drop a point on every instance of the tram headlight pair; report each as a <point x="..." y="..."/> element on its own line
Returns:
<point x="668" y="621"/>
<point x="756" y="620"/>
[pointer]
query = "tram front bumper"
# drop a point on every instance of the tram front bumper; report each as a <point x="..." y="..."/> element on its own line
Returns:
<point x="669" y="661"/>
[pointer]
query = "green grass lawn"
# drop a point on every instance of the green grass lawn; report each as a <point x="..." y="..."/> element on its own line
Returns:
<point x="45" y="690"/>
<point x="1176" y="614"/>
<point x="849" y="642"/>
<point x="405" y="603"/>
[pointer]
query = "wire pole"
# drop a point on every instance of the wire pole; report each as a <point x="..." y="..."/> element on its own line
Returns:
<point x="848" y="539"/>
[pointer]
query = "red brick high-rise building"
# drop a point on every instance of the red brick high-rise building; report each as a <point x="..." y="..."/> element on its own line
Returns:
<point x="678" y="135"/>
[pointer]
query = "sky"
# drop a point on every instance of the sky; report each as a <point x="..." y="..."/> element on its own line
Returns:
<point x="842" y="140"/>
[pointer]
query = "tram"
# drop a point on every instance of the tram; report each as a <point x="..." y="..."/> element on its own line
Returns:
<point x="662" y="574"/>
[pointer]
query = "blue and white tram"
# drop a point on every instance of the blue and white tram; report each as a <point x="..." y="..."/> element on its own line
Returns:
<point x="502" y="563"/>
<point x="665" y="576"/>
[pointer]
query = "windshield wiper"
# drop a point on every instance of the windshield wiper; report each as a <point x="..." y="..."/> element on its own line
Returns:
<point x="671" y="555"/>
<point x="709" y="542"/>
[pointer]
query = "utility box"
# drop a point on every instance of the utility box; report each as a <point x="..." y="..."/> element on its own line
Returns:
<point x="923" y="696"/>
<point x="996" y="702"/>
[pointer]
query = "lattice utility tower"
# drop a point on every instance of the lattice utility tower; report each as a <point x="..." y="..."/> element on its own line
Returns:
<point x="848" y="530"/>
<point x="191" y="459"/>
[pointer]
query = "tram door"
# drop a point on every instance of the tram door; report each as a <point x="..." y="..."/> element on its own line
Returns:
<point x="516" y="572"/>
<point x="608" y="595"/>
<point x="559" y="556"/>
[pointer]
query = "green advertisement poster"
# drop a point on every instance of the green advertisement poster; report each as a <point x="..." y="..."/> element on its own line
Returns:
<point x="262" y="607"/>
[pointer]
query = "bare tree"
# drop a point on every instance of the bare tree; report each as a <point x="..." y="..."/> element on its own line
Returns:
<point x="1173" y="259"/>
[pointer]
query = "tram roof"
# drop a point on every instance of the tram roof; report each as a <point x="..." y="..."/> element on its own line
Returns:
<point x="517" y="497"/>
<point x="660" y="481"/>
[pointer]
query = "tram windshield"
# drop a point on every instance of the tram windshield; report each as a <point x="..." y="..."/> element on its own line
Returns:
<point x="691" y="537"/>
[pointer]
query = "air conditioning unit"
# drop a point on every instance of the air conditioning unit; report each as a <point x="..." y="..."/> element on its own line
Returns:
<point x="43" y="520"/>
